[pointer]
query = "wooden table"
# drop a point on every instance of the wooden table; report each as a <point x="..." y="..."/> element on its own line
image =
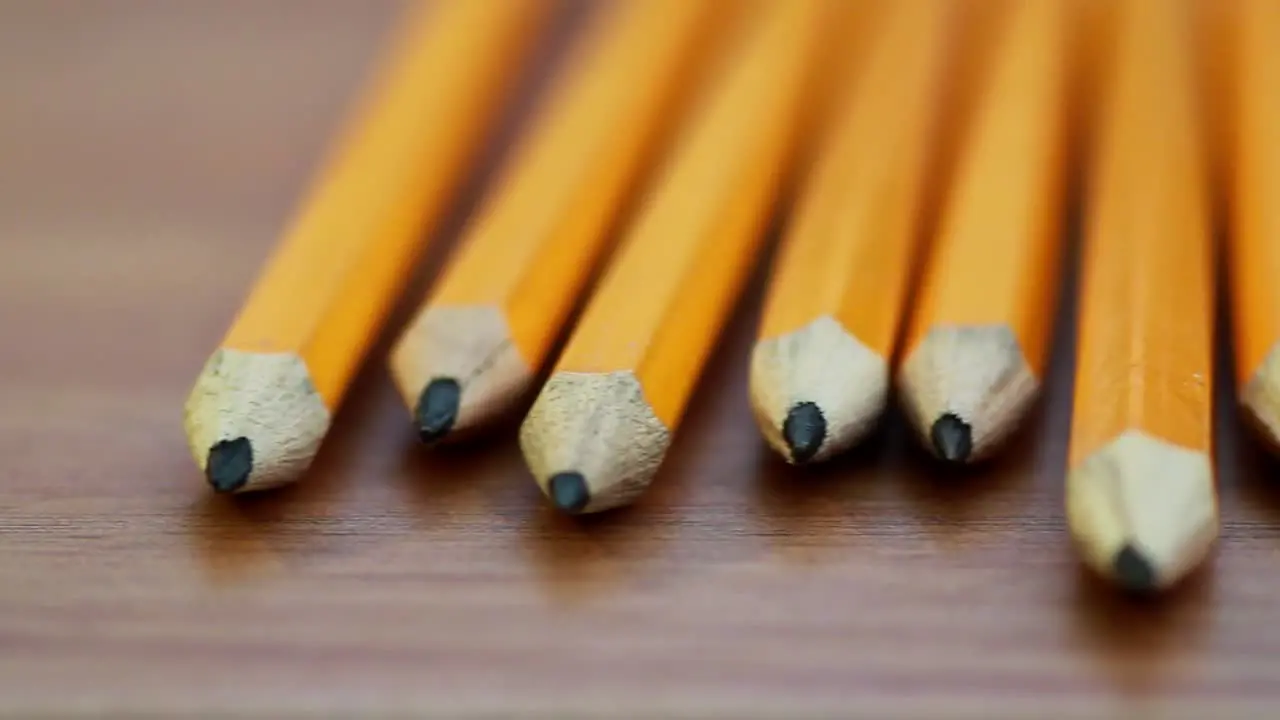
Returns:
<point x="149" y="153"/>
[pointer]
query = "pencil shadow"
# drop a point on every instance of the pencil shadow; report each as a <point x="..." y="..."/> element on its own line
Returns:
<point x="1138" y="638"/>
<point x="230" y="541"/>
<point x="583" y="559"/>
<point x="587" y="557"/>
<point x="821" y="502"/>
<point x="481" y="481"/>
<point x="236" y="536"/>
<point x="952" y="498"/>
<point x="1248" y="470"/>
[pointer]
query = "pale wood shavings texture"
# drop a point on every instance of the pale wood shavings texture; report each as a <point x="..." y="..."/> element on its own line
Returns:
<point x="820" y="363"/>
<point x="977" y="373"/>
<point x="472" y="345"/>
<point x="600" y="425"/>
<point x="267" y="398"/>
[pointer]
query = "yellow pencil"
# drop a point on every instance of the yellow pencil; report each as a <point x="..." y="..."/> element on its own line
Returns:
<point x="473" y="350"/>
<point x="263" y="403"/>
<point x="602" y="424"/>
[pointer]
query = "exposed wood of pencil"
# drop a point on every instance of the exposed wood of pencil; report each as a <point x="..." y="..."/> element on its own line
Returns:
<point x="601" y="425"/>
<point x="262" y="405"/>
<point x="471" y="353"/>
<point x="1254" y="249"/>
<point x="820" y="367"/>
<point x="978" y="338"/>
<point x="1140" y="499"/>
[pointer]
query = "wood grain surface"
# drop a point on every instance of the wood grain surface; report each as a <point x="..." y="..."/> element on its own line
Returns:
<point x="149" y="153"/>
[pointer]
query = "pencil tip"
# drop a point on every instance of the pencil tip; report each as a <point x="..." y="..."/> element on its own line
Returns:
<point x="804" y="431"/>
<point x="569" y="491"/>
<point x="437" y="409"/>
<point x="228" y="465"/>
<point x="1134" y="571"/>
<point x="952" y="438"/>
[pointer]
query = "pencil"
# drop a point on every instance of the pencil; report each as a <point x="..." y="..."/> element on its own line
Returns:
<point x="263" y="402"/>
<point x="820" y="366"/>
<point x="601" y="425"/>
<point x="1254" y="249"/>
<point x="977" y="340"/>
<point x="472" y="352"/>
<point x="1140" y="497"/>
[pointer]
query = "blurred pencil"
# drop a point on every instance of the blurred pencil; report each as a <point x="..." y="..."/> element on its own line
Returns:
<point x="600" y="427"/>
<point x="1254" y="248"/>
<point x="472" y="352"/>
<point x="820" y="366"/>
<point x="1140" y="498"/>
<point x="977" y="341"/>
<point x="262" y="405"/>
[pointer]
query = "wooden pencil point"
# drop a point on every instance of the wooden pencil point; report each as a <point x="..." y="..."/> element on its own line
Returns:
<point x="977" y="374"/>
<point x="229" y="464"/>
<point x="265" y="399"/>
<point x="1142" y="492"/>
<point x="804" y="430"/>
<point x="952" y="438"/>
<point x="821" y="365"/>
<point x="1133" y="571"/>
<point x="437" y="409"/>
<point x="618" y="441"/>
<point x="569" y="492"/>
<point x="470" y="347"/>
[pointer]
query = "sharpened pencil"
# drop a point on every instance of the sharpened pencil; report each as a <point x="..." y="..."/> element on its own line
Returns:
<point x="1141" y="500"/>
<point x="600" y="427"/>
<point x="978" y="338"/>
<point x="820" y="366"/>
<point x="473" y="350"/>
<point x="263" y="403"/>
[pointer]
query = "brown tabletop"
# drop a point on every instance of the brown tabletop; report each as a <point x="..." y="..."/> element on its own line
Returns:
<point x="149" y="153"/>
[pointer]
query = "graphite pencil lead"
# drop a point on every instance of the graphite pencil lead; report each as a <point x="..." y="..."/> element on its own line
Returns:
<point x="1133" y="571"/>
<point x="437" y="409"/>
<point x="804" y="430"/>
<point x="569" y="491"/>
<point x="952" y="438"/>
<point x="823" y="366"/>
<point x="229" y="464"/>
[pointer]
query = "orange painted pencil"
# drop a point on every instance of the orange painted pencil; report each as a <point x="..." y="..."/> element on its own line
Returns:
<point x="1254" y="250"/>
<point x="600" y="427"/>
<point x="263" y="402"/>
<point x="820" y="366"/>
<point x="1140" y="498"/>
<point x="473" y="350"/>
<point x="977" y="341"/>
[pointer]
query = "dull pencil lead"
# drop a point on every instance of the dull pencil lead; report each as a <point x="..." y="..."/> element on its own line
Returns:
<point x="437" y="409"/>
<point x="229" y="464"/>
<point x="952" y="438"/>
<point x="568" y="490"/>
<point x="1133" y="571"/>
<point x="804" y="430"/>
